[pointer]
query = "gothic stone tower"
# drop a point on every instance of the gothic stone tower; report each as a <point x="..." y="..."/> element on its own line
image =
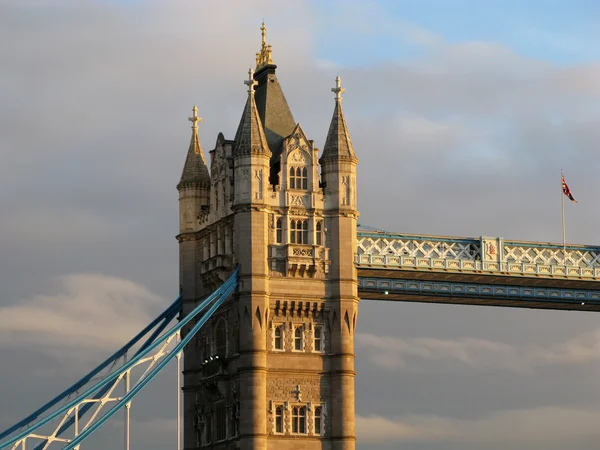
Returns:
<point x="274" y="367"/>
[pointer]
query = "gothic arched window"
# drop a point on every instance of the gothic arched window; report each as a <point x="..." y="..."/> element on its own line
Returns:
<point x="299" y="231"/>
<point x="298" y="178"/>
<point x="299" y="419"/>
<point x="318" y="338"/>
<point x="221" y="339"/>
<point x="279" y="231"/>
<point x="278" y="338"/>
<point x="279" y="419"/>
<point x="319" y="232"/>
<point x="298" y="339"/>
<point x="318" y="418"/>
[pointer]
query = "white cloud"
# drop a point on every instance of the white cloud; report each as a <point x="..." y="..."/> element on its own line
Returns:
<point x="89" y="315"/>
<point x="411" y="353"/>
<point x="514" y="428"/>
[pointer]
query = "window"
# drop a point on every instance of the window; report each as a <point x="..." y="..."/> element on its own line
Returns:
<point x="299" y="419"/>
<point x="298" y="335"/>
<point x="318" y="335"/>
<point x="298" y="178"/>
<point x="279" y="419"/>
<point x="318" y="417"/>
<point x="279" y="231"/>
<point x="208" y="433"/>
<point x="278" y="341"/>
<point x="221" y="421"/>
<point x="221" y="339"/>
<point x="319" y="230"/>
<point x="299" y="231"/>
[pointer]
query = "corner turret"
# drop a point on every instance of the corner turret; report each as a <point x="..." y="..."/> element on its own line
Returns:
<point x="194" y="186"/>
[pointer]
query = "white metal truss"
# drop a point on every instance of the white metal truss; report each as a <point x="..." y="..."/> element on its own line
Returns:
<point x="67" y="426"/>
<point x="99" y="403"/>
<point x="415" y="252"/>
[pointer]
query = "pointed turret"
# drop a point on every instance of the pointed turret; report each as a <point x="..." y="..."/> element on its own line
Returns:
<point x="194" y="186"/>
<point x="250" y="136"/>
<point x="338" y="144"/>
<point x="275" y="114"/>
<point x="195" y="170"/>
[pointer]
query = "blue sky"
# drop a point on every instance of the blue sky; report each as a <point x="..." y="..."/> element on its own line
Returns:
<point x="557" y="31"/>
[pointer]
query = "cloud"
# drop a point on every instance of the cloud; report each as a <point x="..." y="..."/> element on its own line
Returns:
<point x="509" y="427"/>
<point x="469" y="353"/>
<point x="89" y="315"/>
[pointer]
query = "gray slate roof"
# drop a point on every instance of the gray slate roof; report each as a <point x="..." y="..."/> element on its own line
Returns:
<point x="338" y="143"/>
<point x="195" y="169"/>
<point x="250" y="136"/>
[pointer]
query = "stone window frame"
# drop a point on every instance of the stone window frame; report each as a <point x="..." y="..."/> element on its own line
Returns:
<point x="279" y="230"/>
<point x="301" y="407"/>
<point x="299" y="231"/>
<point x="321" y="327"/>
<point x="298" y="178"/>
<point x="280" y="326"/>
<point x="298" y="327"/>
<point x="279" y="406"/>
<point x="319" y="232"/>
<point x="221" y="350"/>
<point x="313" y="418"/>
<point x="220" y="421"/>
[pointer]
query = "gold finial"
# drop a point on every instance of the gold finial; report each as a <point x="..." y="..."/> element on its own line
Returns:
<point x="195" y="119"/>
<point x="263" y="32"/>
<point x="250" y="82"/>
<point x="263" y="57"/>
<point x="338" y="89"/>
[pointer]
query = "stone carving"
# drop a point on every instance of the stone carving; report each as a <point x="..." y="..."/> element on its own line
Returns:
<point x="299" y="200"/>
<point x="300" y="251"/>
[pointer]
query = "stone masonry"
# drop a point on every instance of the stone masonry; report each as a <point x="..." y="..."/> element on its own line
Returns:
<point x="274" y="367"/>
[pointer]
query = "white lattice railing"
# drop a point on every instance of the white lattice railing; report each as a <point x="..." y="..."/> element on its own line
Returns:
<point x="488" y="255"/>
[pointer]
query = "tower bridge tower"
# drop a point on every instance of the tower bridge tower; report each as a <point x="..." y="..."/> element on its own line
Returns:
<point x="274" y="367"/>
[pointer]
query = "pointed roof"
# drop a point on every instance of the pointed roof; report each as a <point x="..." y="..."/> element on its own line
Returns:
<point x="275" y="114"/>
<point x="250" y="136"/>
<point x="338" y="144"/>
<point x="195" y="169"/>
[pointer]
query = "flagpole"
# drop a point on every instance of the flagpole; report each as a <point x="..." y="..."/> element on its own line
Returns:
<point x="562" y="199"/>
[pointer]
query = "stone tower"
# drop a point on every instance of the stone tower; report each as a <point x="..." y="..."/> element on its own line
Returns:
<point x="274" y="367"/>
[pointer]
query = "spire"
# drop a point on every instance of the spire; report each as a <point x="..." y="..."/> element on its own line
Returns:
<point x="195" y="170"/>
<point x="263" y="58"/>
<point x="250" y="136"/>
<point x="338" y="143"/>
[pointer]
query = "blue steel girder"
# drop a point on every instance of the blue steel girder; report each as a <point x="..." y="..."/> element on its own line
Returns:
<point x="487" y="294"/>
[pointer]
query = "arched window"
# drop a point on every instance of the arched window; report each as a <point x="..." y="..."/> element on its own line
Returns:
<point x="279" y="231"/>
<point x="298" y="339"/>
<point x="298" y="178"/>
<point x="299" y="231"/>
<point x="319" y="232"/>
<point x="278" y="335"/>
<point x="279" y="419"/>
<point x="221" y="339"/>
<point x="299" y="419"/>
<point x="318" y="417"/>
<point x="318" y="336"/>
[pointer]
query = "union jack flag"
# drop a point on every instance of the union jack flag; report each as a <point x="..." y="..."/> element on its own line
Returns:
<point x="566" y="189"/>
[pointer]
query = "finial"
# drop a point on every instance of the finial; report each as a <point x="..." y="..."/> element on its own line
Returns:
<point x="338" y="89"/>
<point x="195" y="119"/>
<point x="264" y="58"/>
<point x="250" y="82"/>
<point x="263" y="32"/>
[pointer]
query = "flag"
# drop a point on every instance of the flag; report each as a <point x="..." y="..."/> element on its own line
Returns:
<point x="566" y="189"/>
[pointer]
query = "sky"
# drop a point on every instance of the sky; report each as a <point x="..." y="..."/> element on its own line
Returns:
<point x="462" y="115"/>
